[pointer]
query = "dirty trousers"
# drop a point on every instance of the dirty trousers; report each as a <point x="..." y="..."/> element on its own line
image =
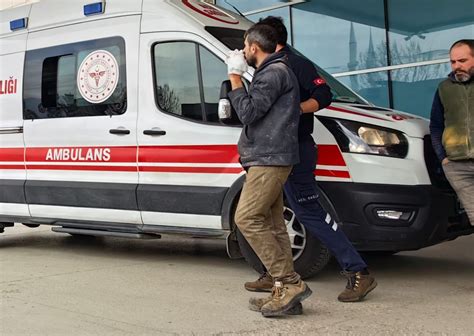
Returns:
<point x="460" y="175"/>
<point x="259" y="217"/>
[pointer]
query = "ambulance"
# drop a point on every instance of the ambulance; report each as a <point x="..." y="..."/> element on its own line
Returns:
<point x="114" y="122"/>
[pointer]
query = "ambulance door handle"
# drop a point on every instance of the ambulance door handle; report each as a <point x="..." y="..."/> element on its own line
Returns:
<point x="119" y="130"/>
<point x="154" y="131"/>
<point x="11" y="130"/>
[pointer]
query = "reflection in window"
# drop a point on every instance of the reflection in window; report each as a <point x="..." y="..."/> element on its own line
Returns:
<point x="372" y="86"/>
<point x="182" y="87"/>
<point x="421" y="34"/>
<point x="414" y="88"/>
<point x="66" y="80"/>
<point x="176" y="79"/>
<point x="340" y="35"/>
<point x="50" y="87"/>
<point x="213" y="73"/>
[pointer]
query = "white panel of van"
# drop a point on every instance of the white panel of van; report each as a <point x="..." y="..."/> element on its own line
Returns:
<point x="57" y="148"/>
<point x="68" y="12"/>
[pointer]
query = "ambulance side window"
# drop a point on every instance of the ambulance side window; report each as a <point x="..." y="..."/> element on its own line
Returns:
<point x="76" y="80"/>
<point x="187" y="80"/>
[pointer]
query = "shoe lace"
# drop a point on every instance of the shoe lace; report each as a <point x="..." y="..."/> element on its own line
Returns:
<point x="353" y="280"/>
<point x="278" y="291"/>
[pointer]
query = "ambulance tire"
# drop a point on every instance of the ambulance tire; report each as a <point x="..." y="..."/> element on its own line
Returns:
<point x="310" y="256"/>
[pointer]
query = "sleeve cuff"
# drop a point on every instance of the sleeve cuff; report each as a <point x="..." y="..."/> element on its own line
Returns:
<point x="323" y="99"/>
<point x="237" y="92"/>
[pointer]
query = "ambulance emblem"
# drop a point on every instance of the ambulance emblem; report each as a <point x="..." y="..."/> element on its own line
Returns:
<point x="97" y="76"/>
<point x="210" y="11"/>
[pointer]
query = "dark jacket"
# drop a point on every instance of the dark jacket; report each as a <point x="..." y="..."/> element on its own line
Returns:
<point x="270" y="114"/>
<point x="311" y="86"/>
<point x="452" y="120"/>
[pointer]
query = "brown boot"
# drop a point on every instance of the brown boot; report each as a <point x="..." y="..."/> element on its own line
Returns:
<point x="358" y="286"/>
<point x="262" y="284"/>
<point x="285" y="297"/>
<point x="256" y="304"/>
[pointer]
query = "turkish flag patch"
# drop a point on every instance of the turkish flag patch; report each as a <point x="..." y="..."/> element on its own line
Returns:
<point x="319" y="81"/>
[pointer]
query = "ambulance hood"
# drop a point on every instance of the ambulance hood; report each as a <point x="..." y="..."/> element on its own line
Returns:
<point x="412" y="125"/>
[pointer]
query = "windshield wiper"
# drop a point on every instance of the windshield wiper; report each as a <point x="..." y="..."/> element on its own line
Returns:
<point x="345" y="99"/>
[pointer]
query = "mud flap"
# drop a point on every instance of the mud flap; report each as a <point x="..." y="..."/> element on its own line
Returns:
<point x="232" y="246"/>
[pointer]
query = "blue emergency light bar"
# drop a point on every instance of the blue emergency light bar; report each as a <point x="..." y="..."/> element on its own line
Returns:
<point x="94" y="8"/>
<point x="18" y="24"/>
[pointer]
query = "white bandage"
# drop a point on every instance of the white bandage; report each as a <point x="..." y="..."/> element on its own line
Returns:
<point x="236" y="63"/>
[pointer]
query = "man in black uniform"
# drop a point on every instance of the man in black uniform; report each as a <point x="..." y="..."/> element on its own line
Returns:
<point x="301" y="190"/>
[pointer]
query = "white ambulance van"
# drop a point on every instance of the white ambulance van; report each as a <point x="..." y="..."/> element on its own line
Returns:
<point x="109" y="125"/>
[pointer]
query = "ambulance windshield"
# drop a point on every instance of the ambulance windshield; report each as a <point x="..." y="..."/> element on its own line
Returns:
<point x="234" y="39"/>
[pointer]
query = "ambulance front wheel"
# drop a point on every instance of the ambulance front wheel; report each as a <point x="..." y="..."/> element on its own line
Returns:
<point x="310" y="256"/>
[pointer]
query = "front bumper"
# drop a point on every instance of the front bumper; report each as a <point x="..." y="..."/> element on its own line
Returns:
<point x="435" y="216"/>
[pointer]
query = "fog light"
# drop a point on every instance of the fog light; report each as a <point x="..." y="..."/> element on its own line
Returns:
<point x="394" y="214"/>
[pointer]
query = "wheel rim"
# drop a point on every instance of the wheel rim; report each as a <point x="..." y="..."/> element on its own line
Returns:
<point x="296" y="231"/>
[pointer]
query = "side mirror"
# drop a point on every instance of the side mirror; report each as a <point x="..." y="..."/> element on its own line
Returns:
<point x="225" y="110"/>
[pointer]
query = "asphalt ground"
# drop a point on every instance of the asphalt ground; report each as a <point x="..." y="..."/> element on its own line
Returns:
<point x="55" y="284"/>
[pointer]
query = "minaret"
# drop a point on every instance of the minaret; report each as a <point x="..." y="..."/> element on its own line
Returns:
<point x="371" y="61"/>
<point x="352" y="65"/>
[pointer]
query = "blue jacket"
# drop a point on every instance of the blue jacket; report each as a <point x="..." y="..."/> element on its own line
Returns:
<point x="437" y="127"/>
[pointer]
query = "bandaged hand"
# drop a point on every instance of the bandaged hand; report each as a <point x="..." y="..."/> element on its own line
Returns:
<point x="236" y="63"/>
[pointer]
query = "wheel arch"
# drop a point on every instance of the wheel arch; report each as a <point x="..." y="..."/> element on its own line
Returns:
<point x="229" y="202"/>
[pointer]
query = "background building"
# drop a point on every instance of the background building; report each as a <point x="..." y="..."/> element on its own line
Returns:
<point x="392" y="52"/>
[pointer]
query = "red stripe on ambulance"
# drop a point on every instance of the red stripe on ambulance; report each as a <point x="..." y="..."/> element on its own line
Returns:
<point x="330" y="155"/>
<point x="12" y="154"/>
<point x="332" y="173"/>
<point x="189" y="154"/>
<point x="202" y="170"/>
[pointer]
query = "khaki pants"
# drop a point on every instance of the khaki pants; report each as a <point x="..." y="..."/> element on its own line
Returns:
<point x="460" y="175"/>
<point x="259" y="216"/>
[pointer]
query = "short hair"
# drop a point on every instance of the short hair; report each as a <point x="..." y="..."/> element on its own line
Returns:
<point x="262" y="35"/>
<point x="467" y="42"/>
<point x="276" y="23"/>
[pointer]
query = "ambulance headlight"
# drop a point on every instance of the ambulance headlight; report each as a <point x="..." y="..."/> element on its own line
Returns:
<point x="355" y="137"/>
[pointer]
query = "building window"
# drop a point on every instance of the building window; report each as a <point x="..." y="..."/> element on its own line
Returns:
<point x="424" y="30"/>
<point x="371" y="86"/>
<point x="342" y="36"/>
<point x="345" y="38"/>
<point x="414" y="87"/>
<point x="418" y="33"/>
<point x="339" y="35"/>
<point x="51" y="88"/>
